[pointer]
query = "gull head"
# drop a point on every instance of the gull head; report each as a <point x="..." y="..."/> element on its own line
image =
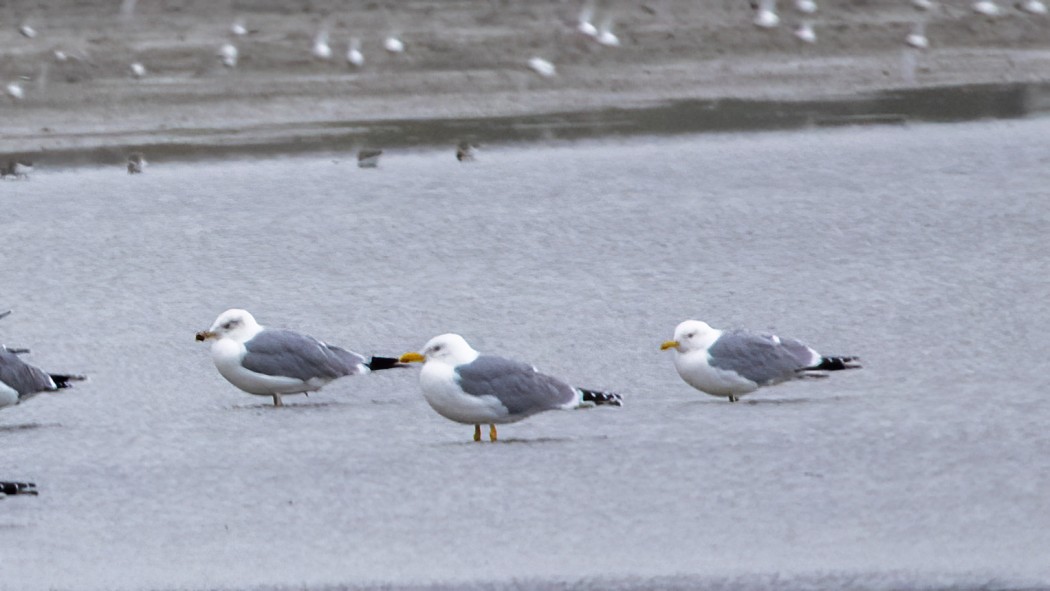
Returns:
<point x="691" y="335"/>
<point x="450" y="348"/>
<point x="235" y="324"/>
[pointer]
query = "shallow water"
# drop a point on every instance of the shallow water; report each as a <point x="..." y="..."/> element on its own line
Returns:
<point x="923" y="249"/>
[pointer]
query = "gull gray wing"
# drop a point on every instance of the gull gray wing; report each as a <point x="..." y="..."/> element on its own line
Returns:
<point x="22" y="377"/>
<point x="763" y="359"/>
<point x="518" y="386"/>
<point x="276" y="352"/>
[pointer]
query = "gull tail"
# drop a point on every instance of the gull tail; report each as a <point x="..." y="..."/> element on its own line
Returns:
<point x="835" y="364"/>
<point x="598" y="398"/>
<point x="62" y="380"/>
<point x="377" y="363"/>
<point x="17" y="488"/>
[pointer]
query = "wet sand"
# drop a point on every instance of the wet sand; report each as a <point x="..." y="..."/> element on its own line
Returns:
<point x="464" y="60"/>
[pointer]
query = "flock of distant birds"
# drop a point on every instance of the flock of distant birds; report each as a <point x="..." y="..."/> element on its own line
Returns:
<point x="588" y="24"/>
<point x="19" y="168"/>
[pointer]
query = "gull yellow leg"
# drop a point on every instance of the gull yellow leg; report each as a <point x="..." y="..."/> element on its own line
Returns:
<point x="477" y="432"/>
<point x="492" y="432"/>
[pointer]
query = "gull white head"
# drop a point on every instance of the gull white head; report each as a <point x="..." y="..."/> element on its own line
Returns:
<point x="692" y="335"/>
<point x="449" y="348"/>
<point x="235" y="324"/>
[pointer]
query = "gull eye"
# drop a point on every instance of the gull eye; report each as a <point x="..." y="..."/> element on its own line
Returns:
<point x="228" y="324"/>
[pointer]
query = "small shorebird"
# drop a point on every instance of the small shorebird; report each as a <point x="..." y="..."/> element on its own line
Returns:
<point x="17" y="168"/>
<point x="368" y="158"/>
<point x="465" y="152"/>
<point x="136" y="163"/>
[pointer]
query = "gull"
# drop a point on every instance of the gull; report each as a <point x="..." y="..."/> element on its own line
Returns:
<point x="732" y="363"/>
<point x="321" y="49"/>
<point x="138" y="70"/>
<point x="136" y="162"/>
<point x="275" y="362"/>
<point x="467" y="387"/>
<point x="393" y="44"/>
<point x="60" y="55"/>
<point x="27" y="31"/>
<point x="605" y="35"/>
<point x="1033" y="7"/>
<point x="766" y="15"/>
<point x="15" y="91"/>
<point x="806" y="6"/>
<point x="922" y="4"/>
<point x="805" y="32"/>
<point x="228" y="54"/>
<point x="353" y="53"/>
<point x="987" y="8"/>
<point x="917" y="37"/>
<point x="583" y="21"/>
<point x="238" y="29"/>
<point x="542" y="67"/>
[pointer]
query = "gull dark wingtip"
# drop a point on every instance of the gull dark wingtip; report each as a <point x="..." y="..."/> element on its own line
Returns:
<point x="599" y="398"/>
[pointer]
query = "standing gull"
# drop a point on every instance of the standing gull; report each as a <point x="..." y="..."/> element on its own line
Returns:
<point x="732" y="363"/>
<point x="274" y="362"/>
<point x="467" y="387"/>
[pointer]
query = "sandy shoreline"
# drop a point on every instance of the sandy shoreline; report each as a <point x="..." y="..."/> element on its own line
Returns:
<point x="464" y="60"/>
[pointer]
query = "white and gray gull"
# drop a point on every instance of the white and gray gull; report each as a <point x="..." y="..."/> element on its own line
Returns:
<point x="276" y="362"/>
<point x="20" y="381"/>
<point x="732" y="363"/>
<point x="465" y="386"/>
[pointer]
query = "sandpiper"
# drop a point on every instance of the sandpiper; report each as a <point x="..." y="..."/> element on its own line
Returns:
<point x="136" y="162"/>
<point x="368" y="158"/>
<point x="18" y="168"/>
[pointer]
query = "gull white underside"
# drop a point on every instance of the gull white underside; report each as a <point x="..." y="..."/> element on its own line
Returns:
<point x="438" y="383"/>
<point x="695" y="370"/>
<point x="8" y="395"/>
<point x="228" y="356"/>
